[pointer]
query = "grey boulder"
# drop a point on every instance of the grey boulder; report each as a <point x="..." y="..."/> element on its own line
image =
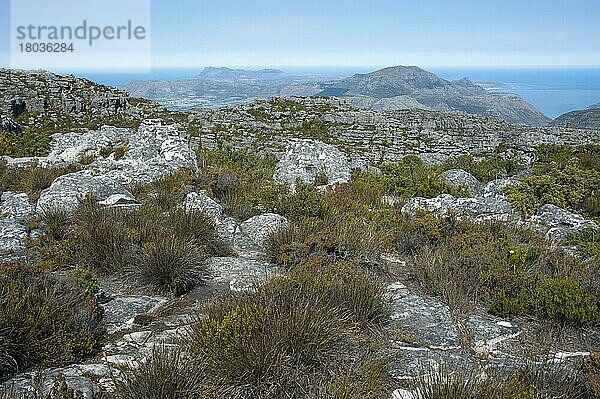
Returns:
<point x="16" y="206"/>
<point x="12" y="240"/>
<point x="560" y="222"/>
<point x="459" y="177"/>
<point x="202" y="202"/>
<point x="67" y="190"/>
<point x="259" y="228"/>
<point x="307" y="159"/>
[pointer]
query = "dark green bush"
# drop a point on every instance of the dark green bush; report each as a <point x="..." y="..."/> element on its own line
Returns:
<point x="565" y="301"/>
<point x="564" y="176"/>
<point x="26" y="144"/>
<point x="170" y="265"/>
<point x="410" y="177"/>
<point x="44" y="320"/>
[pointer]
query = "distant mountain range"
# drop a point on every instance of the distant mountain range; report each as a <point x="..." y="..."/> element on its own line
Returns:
<point x="399" y="87"/>
<point x="412" y="87"/>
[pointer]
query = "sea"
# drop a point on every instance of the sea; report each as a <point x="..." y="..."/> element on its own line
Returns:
<point x="553" y="90"/>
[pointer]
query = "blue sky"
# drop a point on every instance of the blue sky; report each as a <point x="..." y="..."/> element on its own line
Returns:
<point x="367" y="33"/>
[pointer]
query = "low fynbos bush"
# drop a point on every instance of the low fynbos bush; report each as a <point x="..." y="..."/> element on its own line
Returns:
<point x="564" y="176"/>
<point x="165" y="374"/>
<point x="289" y="337"/>
<point x="512" y="271"/>
<point x="27" y="144"/>
<point x="410" y="177"/>
<point x="170" y="265"/>
<point x="159" y="245"/>
<point x="543" y="380"/>
<point x="44" y="320"/>
<point x="587" y="242"/>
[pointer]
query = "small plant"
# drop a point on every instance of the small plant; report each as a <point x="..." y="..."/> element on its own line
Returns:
<point x="170" y="265"/>
<point x="86" y="279"/>
<point x="54" y="222"/>
<point x="121" y="150"/>
<point x="165" y="374"/>
<point x="106" y="151"/>
<point x="87" y="158"/>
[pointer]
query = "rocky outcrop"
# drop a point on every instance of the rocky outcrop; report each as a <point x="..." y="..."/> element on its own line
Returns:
<point x="559" y="223"/>
<point x="41" y="91"/>
<point x="459" y="177"/>
<point x="307" y="160"/>
<point x="258" y="228"/>
<point x="16" y="206"/>
<point x="476" y="209"/>
<point x="12" y="240"/>
<point x="369" y="135"/>
<point x="68" y="190"/>
<point x="426" y="319"/>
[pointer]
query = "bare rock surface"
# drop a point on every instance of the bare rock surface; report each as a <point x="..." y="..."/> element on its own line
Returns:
<point x="306" y="159"/>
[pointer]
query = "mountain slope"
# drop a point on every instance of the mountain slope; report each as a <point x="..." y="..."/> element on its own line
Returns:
<point x="583" y="119"/>
<point x="594" y="106"/>
<point x="433" y="92"/>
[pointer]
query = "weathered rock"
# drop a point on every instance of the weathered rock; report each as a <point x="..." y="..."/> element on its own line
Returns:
<point x="16" y="206"/>
<point x="306" y="159"/>
<point x="495" y="188"/>
<point x="258" y="228"/>
<point x="560" y="222"/>
<point x="426" y="319"/>
<point x="486" y="333"/>
<point x="238" y="273"/>
<point x="418" y="362"/>
<point x="67" y="190"/>
<point x="202" y="202"/>
<point x="459" y="177"/>
<point x="12" y="236"/>
<point x="120" y="312"/>
<point x="78" y="377"/>
<point x="155" y="150"/>
<point x="476" y="209"/>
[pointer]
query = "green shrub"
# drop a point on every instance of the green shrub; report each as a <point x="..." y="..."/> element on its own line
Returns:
<point x="410" y="177"/>
<point x="266" y="348"/>
<point x="26" y="144"/>
<point x="44" y="320"/>
<point x="587" y="242"/>
<point x="563" y="176"/>
<point x="565" y="301"/>
<point x="86" y="279"/>
<point x="104" y="237"/>
<point x="170" y="265"/>
<point x="486" y="168"/>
